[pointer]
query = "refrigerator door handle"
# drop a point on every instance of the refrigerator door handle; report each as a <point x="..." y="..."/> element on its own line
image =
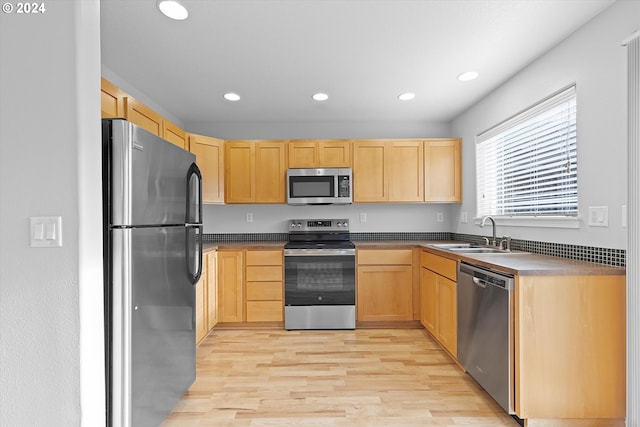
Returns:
<point x="194" y="252"/>
<point x="194" y="195"/>
<point x="194" y="223"/>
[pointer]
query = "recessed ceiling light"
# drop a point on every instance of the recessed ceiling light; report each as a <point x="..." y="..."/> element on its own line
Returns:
<point x="320" y="96"/>
<point x="173" y="9"/>
<point x="231" y="96"/>
<point x="406" y="96"/>
<point x="469" y="75"/>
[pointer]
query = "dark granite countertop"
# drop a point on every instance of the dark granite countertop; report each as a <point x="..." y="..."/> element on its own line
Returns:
<point x="518" y="263"/>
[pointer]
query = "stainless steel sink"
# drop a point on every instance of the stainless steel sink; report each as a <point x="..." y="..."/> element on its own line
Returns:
<point x="451" y="246"/>
<point x="468" y="248"/>
<point x="472" y="250"/>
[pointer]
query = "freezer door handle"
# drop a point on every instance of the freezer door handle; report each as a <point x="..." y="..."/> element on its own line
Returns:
<point x="194" y="195"/>
<point x="194" y="252"/>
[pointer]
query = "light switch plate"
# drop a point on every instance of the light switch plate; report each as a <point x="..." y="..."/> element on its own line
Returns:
<point x="46" y="231"/>
<point x="599" y="216"/>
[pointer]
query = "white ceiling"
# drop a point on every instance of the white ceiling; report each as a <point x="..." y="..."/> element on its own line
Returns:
<point x="363" y="53"/>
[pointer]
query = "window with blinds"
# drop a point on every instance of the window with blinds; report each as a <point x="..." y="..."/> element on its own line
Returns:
<point x="527" y="166"/>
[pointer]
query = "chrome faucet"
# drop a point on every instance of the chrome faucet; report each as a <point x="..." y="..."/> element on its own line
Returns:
<point x="493" y="222"/>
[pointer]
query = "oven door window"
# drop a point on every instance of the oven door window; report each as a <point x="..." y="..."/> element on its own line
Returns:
<point x="321" y="280"/>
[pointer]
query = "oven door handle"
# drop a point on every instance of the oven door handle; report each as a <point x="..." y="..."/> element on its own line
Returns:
<point x="319" y="252"/>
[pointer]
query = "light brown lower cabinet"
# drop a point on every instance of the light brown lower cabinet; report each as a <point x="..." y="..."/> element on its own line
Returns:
<point x="384" y="285"/>
<point x="201" y="308"/>
<point x="438" y="299"/>
<point x="570" y="350"/>
<point x="206" y="297"/>
<point x="230" y="289"/>
<point x="211" y="261"/>
<point x="264" y="285"/>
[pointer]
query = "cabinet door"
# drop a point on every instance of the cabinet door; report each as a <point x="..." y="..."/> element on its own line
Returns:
<point x="239" y="172"/>
<point x="174" y="134"/>
<point x="209" y="154"/>
<point x="369" y="172"/>
<point x="230" y="279"/>
<point x="201" y="308"/>
<point x="428" y="299"/>
<point x="385" y="293"/>
<point x="447" y="314"/>
<point x="334" y="154"/>
<point x="303" y="154"/>
<point x="443" y="170"/>
<point x="405" y="162"/>
<point x="143" y="116"/>
<point x="270" y="171"/>
<point x="211" y="260"/>
<point x="111" y="100"/>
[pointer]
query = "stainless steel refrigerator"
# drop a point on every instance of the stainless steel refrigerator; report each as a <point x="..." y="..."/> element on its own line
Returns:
<point x="153" y="259"/>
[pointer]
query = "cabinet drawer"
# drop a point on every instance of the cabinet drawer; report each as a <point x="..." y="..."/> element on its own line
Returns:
<point x="443" y="266"/>
<point x="264" y="291"/>
<point x="385" y="257"/>
<point x="264" y="257"/>
<point x="264" y="273"/>
<point x="264" y="311"/>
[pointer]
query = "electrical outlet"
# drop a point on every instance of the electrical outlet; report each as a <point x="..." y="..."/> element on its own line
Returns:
<point x="363" y="217"/>
<point x="624" y="216"/>
<point x="440" y="217"/>
<point x="464" y="217"/>
<point x="249" y="217"/>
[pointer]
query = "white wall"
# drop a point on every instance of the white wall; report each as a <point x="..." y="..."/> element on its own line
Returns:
<point x="592" y="58"/>
<point x="131" y="90"/>
<point x="379" y="217"/>
<point x="320" y="130"/>
<point x="50" y="367"/>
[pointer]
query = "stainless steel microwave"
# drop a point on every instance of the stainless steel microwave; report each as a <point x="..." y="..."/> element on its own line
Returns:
<point x="319" y="186"/>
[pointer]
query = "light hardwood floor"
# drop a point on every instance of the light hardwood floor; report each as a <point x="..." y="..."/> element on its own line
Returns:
<point x="366" y="377"/>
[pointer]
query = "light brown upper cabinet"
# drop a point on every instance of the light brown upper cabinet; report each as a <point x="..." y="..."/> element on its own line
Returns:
<point x="210" y="159"/>
<point x="442" y="170"/>
<point x="116" y="103"/>
<point x="319" y="153"/>
<point x="111" y="100"/>
<point x="174" y="134"/>
<point x="388" y="171"/>
<point x="255" y="171"/>
<point x="143" y="116"/>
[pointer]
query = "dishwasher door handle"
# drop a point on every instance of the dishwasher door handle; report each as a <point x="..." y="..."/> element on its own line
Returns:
<point x="479" y="282"/>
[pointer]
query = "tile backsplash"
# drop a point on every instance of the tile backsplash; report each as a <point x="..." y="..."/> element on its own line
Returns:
<point x="615" y="257"/>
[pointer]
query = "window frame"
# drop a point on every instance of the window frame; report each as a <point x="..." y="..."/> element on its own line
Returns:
<point x="531" y="220"/>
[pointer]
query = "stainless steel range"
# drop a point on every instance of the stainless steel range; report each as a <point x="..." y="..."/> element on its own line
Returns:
<point x="319" y="278"/>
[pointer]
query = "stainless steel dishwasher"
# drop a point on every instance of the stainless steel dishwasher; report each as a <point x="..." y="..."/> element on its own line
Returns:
<point x="485" y="330"/>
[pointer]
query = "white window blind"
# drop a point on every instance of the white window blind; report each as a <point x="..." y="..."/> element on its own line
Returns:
<point x="527" y="165"/>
